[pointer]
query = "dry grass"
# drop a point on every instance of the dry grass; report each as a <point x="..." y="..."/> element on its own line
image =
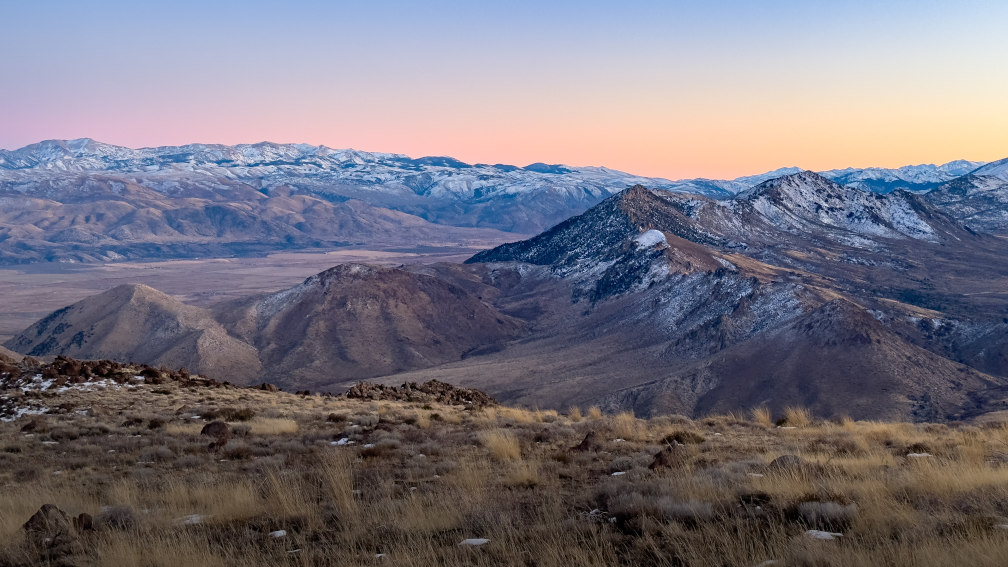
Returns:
<point x="272" y="426"/>
<point x="796" y="417"/>
<point x="413" y="488"/>
<point x="502" y="445"/>
<point x="762" y="417"/>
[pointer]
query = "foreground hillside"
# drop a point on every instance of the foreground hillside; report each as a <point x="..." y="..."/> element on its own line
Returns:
<point x="113" y="461"/>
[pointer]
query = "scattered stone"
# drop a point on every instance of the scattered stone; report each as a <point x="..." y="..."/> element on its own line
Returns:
<point x="190" y="520"/>
<point x="821" y="535"/>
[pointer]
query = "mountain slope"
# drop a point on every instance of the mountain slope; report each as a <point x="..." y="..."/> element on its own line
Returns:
<point x="356" y="321"/>
<point x="780" y="292"/>
<point x="835" y="360"/>
<point x="136" y="322"/>
<point x="979" y="199"/>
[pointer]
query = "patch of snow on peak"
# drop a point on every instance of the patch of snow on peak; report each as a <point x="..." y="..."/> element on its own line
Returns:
<point x="651" y="238"/>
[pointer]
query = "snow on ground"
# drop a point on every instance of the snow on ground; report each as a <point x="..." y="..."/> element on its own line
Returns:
<point x="651" y="238"/>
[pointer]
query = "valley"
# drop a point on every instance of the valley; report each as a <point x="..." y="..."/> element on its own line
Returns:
<point x="30" y="291"/>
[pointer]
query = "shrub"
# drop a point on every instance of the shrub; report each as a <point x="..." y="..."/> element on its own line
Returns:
<point x="236" y="414"/>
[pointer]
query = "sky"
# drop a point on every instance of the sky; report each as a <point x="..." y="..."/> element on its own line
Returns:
<point x="659" y="88"/>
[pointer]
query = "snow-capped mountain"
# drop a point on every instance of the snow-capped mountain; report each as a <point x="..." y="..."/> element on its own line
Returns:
<point x="430" y="187"/>
<point x="796" y="202"/>
<point x="916" y="178"/>
<point x="979" y="199"/>
<point x="86" y="200"/>
<point x="796" y="287"/>
<point x="439" y="189"/>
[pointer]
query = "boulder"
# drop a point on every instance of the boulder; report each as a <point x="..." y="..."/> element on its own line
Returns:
<point x="48" y="523"/>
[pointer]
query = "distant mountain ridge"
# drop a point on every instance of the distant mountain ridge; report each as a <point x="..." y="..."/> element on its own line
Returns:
<point x="82" y="200"/>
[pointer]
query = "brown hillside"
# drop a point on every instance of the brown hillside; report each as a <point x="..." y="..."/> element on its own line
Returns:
<point x="137" y="322"/>
<point x="356" y="321"/>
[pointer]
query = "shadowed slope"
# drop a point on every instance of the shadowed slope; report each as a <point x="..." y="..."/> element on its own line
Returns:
<point x="356" y="321"/>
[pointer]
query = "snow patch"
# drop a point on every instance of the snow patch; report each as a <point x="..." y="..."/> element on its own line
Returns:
<point x="651" y="238"/>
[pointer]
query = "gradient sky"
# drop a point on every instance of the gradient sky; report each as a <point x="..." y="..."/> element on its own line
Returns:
<point x="671" y="89"/>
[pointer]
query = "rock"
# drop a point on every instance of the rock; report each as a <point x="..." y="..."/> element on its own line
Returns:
<point x="84" y="522"/>
<point x="52" y="533"/>
<point x="48" y="523"/>
<point x="216" y="429"/>
<point x="220" y="431"/>
<point x="267" y="387"/>
<point x="671" y="457"/>
<point x="821" y="535"/>
<point x="787" y="462"/>
<point x="474" y="541"/>
<point x="589" y="443"/>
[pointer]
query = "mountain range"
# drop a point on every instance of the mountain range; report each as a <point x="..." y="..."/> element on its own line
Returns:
<point x="796" y="291"/>
<point x="82" y="200"/>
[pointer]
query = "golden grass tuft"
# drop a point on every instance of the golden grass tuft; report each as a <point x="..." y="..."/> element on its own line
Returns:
<point x="762" y="416"/>
<point x="797" y="417"/>
<point x="574" y="414"/>
<point x="501" y="444"/>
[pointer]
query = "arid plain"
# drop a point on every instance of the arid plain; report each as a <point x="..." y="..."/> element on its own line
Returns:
<point x="31" y="291"/>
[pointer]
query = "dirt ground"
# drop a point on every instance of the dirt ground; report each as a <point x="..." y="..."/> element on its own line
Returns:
<point x="32" y="291"/>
